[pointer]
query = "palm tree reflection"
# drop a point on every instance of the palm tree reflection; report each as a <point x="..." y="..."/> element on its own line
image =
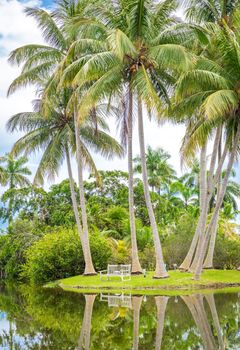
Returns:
<point x="136" y="305"/>
<point x="85" y="335"/>
<point x="161" y="303"/>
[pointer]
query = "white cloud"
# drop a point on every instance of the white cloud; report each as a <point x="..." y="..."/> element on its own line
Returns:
<point x="15" y="30"/>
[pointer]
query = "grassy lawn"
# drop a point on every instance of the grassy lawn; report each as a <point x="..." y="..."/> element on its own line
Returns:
<point x="177" y="281"/>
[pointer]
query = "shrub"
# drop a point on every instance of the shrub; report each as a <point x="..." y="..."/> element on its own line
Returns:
<point x="147" y="257"/>
<point x="177" y="243"/>
<point x="13" y="247"/>
<point x="226" y="254"/>
<point x="59" y="255"/>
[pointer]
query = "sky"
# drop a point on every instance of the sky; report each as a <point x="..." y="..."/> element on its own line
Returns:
<point x="16" y="30"/>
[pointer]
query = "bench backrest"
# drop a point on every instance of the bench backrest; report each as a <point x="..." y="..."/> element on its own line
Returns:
<point x="119" y="269"/>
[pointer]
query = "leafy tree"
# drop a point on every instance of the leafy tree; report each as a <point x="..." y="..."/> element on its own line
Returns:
<point x="160" y="172"/>
<point x="15" y="174"/>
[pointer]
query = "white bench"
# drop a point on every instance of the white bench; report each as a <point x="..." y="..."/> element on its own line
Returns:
<point x="117" y="300"/>
<point x="122" y="271"/>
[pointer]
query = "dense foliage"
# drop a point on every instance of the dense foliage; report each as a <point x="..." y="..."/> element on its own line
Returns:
<point x="44" y="246"/>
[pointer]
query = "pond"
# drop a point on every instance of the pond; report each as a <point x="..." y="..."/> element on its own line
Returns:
<point x="54" y="319"/>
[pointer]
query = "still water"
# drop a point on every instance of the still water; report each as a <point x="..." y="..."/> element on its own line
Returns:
<point x="53" y="319"/>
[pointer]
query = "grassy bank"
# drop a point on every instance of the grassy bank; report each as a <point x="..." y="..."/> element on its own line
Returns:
<point x="178" y="281"/>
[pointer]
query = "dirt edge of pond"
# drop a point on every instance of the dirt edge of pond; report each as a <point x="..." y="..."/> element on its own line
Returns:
<point x="190" y="287"/>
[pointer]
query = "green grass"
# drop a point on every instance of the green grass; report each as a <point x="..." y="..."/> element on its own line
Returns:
<point x="178" y="281"/>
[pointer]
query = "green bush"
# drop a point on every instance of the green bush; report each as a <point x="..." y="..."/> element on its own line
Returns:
<point x="59" y="255"/>
<point x="177" y="242"/>
<point x="14" y="245"/>
<point x="227" y="253"/>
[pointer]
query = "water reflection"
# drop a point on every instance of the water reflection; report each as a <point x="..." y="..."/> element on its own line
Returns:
<point x="161" y="303"/>
<point x="52" y="319"/>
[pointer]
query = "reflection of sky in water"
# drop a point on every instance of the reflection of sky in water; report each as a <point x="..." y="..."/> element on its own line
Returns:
<point x="5" y="327"/>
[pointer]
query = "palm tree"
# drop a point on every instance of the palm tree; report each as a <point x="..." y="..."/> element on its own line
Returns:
<point x="160" y="172"/>
<point x="230" y="199"/>
<point x="221" y="12"/>
<point x="55" y="137"/>
<point x="216" y="11"/>
<point x="14" y="174"/>
<point x="213" y="86"/>
<point x="139" y="51"/>
<point x="40" y="62"/>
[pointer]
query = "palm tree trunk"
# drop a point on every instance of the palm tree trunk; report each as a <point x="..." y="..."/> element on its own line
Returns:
<point x="161" y="303"/>
<point x="136" y="266"/>
<point x="204" y="242"/>
<point x="84" y="340"/>
<point x="160" y="271"/>
<point x="202" y="189"/>
<point x="208" y="263"/>
<point x="206" y="197"/>
<point x="74" y="202"/>
<point x="10" y="206"/>
<point x="89" y="268"/>
<point x="136" y="304"/>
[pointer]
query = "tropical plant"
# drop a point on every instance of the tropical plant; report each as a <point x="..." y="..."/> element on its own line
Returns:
<point x="138" y="52"/>
<point x="160" y="172"/>
<point x="40" y="63"/>
<point x="14" y="175"/>
<point x="55" y="137"/>
<point x="212" y="87"/>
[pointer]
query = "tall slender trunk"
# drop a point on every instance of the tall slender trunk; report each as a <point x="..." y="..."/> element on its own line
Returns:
<point x="136" y="266"/>
<point x="208" y="263"/>
<point x="206" y="198"/>
<point x="161" y="303"/>
<point x="202" y="189"/>
<point x="136" y="304"/>
<point x="74" y="202"/>
<point x="160" y="271"/>
<point x="204" y="242"/>
<point x="89" y="268"/>
<point x="10" y="206"/>
<point x="84" y="340"/>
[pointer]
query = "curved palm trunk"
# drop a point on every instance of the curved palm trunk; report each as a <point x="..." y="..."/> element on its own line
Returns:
<point x="161" y="303"/>
<point x="10" y="207"/>
<point x="160" y="271"/>
<point x="136" y="266"/>
<point x="208" y="263"/>
<point x="84" y="340"/>
<point x="89" y="268"/>
<point x="74" y="202"/>
<point x="210" y="185"/>
<point x="212" y="306"/>
<point x="204" y="242"/>
<point x="202" y="189"/>
<point x="136" y="304"/>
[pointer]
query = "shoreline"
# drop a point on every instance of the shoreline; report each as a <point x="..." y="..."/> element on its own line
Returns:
<point x="178" y="283"/>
